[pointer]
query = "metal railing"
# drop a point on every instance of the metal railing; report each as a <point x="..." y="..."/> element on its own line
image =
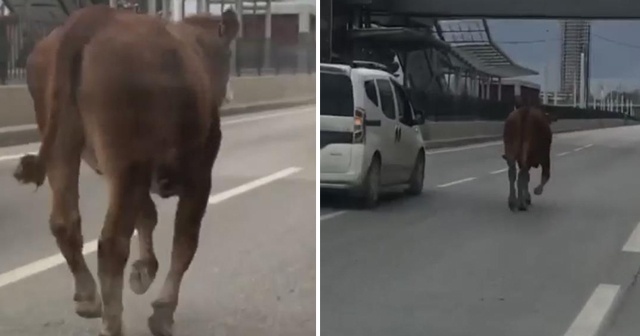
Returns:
<point x="16" y="42"/>
<point x="265" y="57"/>
<point x="252" y="57"/>
<point x="443" y="107"/>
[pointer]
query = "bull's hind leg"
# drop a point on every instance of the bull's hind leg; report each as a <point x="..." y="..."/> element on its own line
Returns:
<point x="128" y="188"/>
<point x="523" y="189"/>
<point x="63" y="170"/>
<point x="144" y="269"/>
<point x="191" y="209"/>
<point x="545" y="176"/>
<point x="512" y="172"/>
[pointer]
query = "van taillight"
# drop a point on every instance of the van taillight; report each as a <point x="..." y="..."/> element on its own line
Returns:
<point x="358" y="125"/>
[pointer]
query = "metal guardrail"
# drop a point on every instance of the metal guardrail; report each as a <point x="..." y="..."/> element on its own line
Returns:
<point x="253" y="57"/>
<point x="16" y="42"/>
<point x="442" y="107"/>
<point x="262" y="56"/>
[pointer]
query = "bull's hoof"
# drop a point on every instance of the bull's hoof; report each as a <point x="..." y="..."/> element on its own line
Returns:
<point x="527" y="200"/>
<point x="143" y="272"/>
<point x="160" y="324"/>
<point x="30" y="170"/>
<point x="89" y="308"/>
<point x="118" y="332"/>
<point x="513" y="204"/>
<point x="161" y="321"/>
<point x="522" y="207"/>
<point x="538" y="190"/>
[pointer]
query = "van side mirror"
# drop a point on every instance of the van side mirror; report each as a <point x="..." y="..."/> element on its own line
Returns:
<point x="393" y="67"/>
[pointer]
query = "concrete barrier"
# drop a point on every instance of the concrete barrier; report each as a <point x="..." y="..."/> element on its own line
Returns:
<point x="456" y="133"/>
<point x="16" y="106"/>
<point x="250" y="94"/>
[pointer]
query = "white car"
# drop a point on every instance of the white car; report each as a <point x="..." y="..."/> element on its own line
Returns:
<point x="370" y="135"/>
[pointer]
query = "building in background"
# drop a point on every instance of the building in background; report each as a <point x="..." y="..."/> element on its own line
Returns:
<point x="576" y="38"/>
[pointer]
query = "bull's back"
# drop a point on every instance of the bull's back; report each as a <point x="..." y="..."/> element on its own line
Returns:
<point x="139" y="91"/>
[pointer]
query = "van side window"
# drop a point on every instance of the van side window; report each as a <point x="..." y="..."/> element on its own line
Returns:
<point x="372" y="93"/>
<point x="404" y="107"/>
<point x="386" y="98"/>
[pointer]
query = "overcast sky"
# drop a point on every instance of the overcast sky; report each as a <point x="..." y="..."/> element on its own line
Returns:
<point x="611" y="64"/>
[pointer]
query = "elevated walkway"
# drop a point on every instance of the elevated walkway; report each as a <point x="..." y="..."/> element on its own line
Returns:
<point x="532" y="9"/>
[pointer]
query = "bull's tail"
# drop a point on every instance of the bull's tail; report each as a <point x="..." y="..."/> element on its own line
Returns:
<point x="514" y="135"/>
<point x="60" y="94"/>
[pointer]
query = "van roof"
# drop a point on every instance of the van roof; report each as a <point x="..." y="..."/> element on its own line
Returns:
<point x="346" y="69"/>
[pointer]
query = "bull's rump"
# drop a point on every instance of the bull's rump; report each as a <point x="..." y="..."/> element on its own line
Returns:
<point x="526" y="132"/>
<point x="140" y="93"/>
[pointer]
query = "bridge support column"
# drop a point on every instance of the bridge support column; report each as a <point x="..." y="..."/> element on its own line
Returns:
<point x="166" y="9"/>
<point x="267" y="36"/>
<point x="304" y="35"/>
<point x="176" y="10"/>
<point x="151" y="7"/>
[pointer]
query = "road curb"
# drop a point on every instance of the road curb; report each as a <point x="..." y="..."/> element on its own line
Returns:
<point x="624" y="272"/>
<point x="457" y="142"/>
<point x="24" y="134"/>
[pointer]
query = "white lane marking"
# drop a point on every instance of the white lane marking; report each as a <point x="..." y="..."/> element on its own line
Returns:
<point x="253" y="185"/>
<point x="633" y="243"/>
<point x="562" y="154"/>
<point x="263" y="116"/>
<point x="332" y="215"/>
<point x="463" y="148"/>
<point x="14" y="156"/>
<point x="468" y="179"/>
<point x="44" y="264"/>
<point x="27" y="127"/>
<point x="499" y="171"/>
<point x="590" y="319"/>
<point x="583" y="147"/>
<point x="229" y="120"/>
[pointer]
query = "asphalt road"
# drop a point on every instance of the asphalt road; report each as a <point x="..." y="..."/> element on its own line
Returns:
<point x="254" y="272"/>
<point x="456" y="261"/>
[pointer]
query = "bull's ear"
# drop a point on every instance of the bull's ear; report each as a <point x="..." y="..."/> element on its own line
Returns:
<point x="230" y="26"/>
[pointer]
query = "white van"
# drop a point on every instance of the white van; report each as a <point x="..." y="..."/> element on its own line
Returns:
<point x="370" y="135"/>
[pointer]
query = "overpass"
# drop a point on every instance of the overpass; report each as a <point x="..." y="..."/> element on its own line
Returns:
<point x="565" y="9"/>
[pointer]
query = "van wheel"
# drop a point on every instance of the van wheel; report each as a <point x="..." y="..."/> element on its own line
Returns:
<point x="371" y="186"/>
<point x="416" y="182"/>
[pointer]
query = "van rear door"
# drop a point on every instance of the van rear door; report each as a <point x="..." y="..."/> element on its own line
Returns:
<point x="336" y="121"/>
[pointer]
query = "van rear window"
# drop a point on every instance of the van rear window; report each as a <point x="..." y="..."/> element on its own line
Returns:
<point x="336" y="95"/>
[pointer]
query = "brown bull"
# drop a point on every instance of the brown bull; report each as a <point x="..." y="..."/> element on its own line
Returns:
<point x="527" y="143"/>
<point x="133" y="96"/>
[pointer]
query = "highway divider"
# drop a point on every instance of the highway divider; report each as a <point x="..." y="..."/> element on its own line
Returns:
<point x="250" y="94"/>
<point x="458" y="133"/>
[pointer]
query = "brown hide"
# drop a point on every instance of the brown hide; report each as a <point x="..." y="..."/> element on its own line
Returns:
<point x="201" y="33"/>
<point x="142" y="98"/>
<point x="527" y="137"/>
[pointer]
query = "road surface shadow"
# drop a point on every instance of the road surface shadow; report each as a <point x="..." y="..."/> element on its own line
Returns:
<point x="343" y="201"/>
